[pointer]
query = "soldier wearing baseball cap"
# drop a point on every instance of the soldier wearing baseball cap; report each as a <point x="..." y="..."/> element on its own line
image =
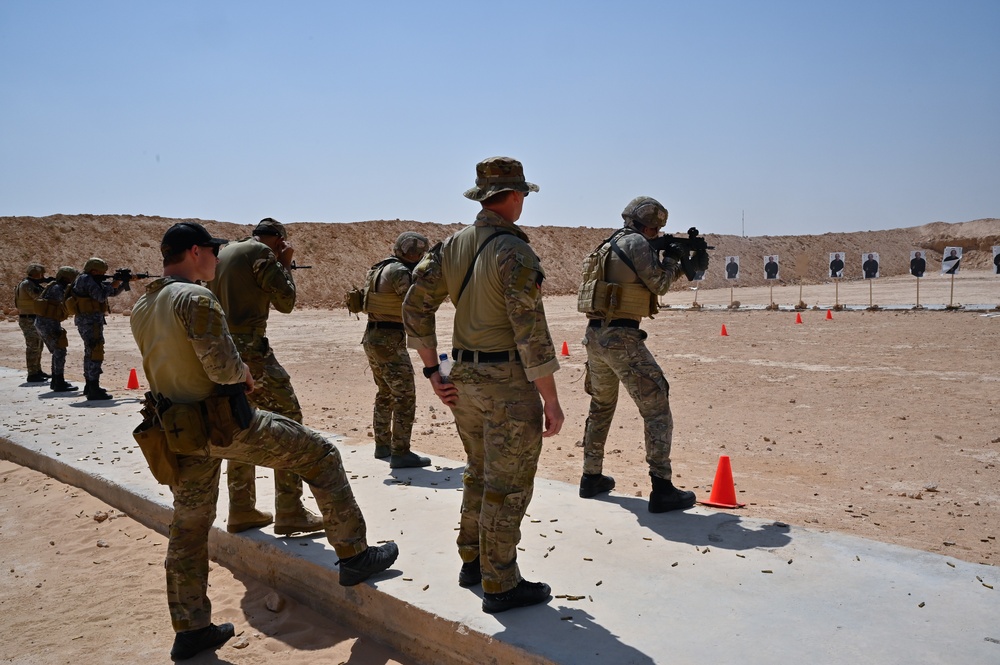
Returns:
<point x="504" y="362"/>
<point x="182" y="236"/>
<point x="253" y="275"/>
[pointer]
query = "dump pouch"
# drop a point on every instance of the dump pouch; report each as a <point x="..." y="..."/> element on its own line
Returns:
<point x="229" y="412"/>
<point x="355" y="301"/>
<point x="153" y="444"/>
<point x="185" y="428"/>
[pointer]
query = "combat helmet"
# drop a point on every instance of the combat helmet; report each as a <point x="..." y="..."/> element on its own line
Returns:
<point x="67" y="274"/>
<point x="36" y="270"/>
<point x="645" y="211"/>
<point x="95" y="263"/>
<point x="410" y="242"/>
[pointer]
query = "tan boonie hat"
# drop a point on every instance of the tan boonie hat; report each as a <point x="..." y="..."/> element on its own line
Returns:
<point x="95" y="263"/>
<point x="36" y="270"/>
<point x="499" y="174"/>
<point x="271" y="227"/>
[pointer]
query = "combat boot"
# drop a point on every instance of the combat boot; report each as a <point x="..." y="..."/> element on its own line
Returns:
<point x="381" y="452"/>
<point x="38" y="377"/>
<point x="298" y="521"/>
<point x="665" y="496"/>
<point x="358" y="568"/>
<point x="592" y="484"/>
<point x="410" y="460"/>
<point x="94" y="391"/>
<point x="471" y="574"/>
<point x="241" y="520"/>
<point x="524" y="594"/>
<point x="189" y="643"/>
<point x="58" y="384"/>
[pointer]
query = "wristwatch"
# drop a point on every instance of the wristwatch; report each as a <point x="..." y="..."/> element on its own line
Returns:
<point x="431" y="371"/>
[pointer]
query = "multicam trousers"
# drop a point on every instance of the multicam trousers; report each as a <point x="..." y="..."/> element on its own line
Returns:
<point x="396" y="399"/>
<point x="91" y="329"/>
<point x="499" y="419"/>
<point x="273" y="441"/>
<point x="54" y="337"/>
<point x="33" y="344"/>
<point x="620" y="355"/>
<point x="272" y="392"/>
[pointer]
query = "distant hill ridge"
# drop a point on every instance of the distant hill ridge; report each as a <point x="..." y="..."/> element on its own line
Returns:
<point x="341" y="253"/>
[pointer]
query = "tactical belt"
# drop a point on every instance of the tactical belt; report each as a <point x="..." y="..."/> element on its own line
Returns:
<point x="485" y="356"/>
<point x="384" y="325"/>
<point x="248" y="330"/>
<point x="27" y="316"/>
<point x="614" y="323"/>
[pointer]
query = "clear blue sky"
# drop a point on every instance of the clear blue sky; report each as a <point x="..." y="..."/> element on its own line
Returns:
<point x="810" y="116"/>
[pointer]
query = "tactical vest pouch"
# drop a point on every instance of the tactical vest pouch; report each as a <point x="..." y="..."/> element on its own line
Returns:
<point x="636" y="300"/>
<point x="161" y="460"/>
<point x="88" y="305"/>
<point x="384" y="304"/>
<point x="595" y="295"/>
<point x="50" y="310"/>
<point x="222" y="424"/>
<point x="355" y="301"/>
<point x="72" y="305"/>
<point x="185" y="429"/>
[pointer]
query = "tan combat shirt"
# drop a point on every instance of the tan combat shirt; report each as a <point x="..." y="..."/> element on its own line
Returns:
<point x="248" y="280"/>
<point x="501" y="308"/>
<point x="186" y="349"/>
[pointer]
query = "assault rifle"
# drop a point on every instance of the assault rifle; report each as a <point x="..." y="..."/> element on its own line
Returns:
<point x="125" y="275"/>
<point x="684" y="248"/>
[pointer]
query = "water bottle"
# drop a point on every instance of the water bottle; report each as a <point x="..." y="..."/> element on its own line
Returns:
<point x="445" y="369"/>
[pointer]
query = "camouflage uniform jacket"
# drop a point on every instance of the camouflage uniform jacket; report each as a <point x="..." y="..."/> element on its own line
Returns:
<point x="186" y="348"/>
<point x="97" y="290"/>
<point x="649" y="271"/>
<point x="501" y="308"/>
<point x="25" y="295"/>
<point x="395" y="278"/>
<point x="248" y="280"/>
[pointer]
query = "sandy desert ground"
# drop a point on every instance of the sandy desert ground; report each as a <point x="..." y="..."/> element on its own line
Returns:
<point x="882" y="424"/>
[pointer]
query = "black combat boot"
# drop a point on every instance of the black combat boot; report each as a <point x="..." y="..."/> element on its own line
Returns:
<point x="666" y="497"/>
<point x="471" y="574"/>
<point x="94" y="391"/>
<point x="524" y="594"/>
<point x="38" y="377"/>
<point x="592" y="484"/>
<point x="408" y="460"/>
<point x="358" y="568"/>
<point x="58" y="384"/>
<point x="190" y="643"/>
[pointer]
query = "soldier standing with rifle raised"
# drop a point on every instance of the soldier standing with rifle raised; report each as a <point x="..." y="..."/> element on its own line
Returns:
<point x="25" y="295"/>
<point x="254" y="274"/>
<point x="621" y="281"/>
<point x="89" y="302"/>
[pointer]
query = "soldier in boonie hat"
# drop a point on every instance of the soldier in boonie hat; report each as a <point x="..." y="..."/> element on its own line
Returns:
<point x="499" y="174"/>
<point x="270" y="227"/>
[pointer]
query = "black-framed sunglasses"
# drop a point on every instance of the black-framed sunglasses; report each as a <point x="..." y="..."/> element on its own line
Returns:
<point x="214" y="248"/>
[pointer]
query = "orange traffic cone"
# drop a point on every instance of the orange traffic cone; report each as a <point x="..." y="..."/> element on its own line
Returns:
<point x="723" y="490"/>
<point x="723" y="333"/>
<point x="829" y="315"/>
<point x="133" y="380"/>
<point x="565" y="349"/>
<point x="798" y="317"/>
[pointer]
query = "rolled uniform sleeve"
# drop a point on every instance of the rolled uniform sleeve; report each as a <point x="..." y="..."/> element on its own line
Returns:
<point x="205" y="323"/>
<point x="275" y="280"/>
<point x="424" y="296"/>
<point x="521" y="272"/>
<point x="648" y="269"/>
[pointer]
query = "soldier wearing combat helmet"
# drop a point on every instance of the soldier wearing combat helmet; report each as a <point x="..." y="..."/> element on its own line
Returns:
<point x="90" y="295"/>
<point x="25" y="295"/>
<point x="50" y="312"/>
<point x="501" y="390"/>
<point x="621" y="282"/>
<point x="385" y="345"/>
<point x="255" y="274"/>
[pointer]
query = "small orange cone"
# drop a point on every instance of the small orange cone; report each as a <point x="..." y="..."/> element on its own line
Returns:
<point x="829" y="315"/>
<point x="723" y="489"/>
<point x="133" y="381"/>
<point x="565" y="349"/>
<point x="723" y="333"/>
<point x="798" y="317"/>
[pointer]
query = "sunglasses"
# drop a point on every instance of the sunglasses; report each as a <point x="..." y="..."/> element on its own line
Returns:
<point x="214" y="248"/>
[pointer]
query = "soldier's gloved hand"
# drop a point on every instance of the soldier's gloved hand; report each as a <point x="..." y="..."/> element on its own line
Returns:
<point x="700" y="260"/>
<point x="688" y="265"/>
<point x="674" y="252"/>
